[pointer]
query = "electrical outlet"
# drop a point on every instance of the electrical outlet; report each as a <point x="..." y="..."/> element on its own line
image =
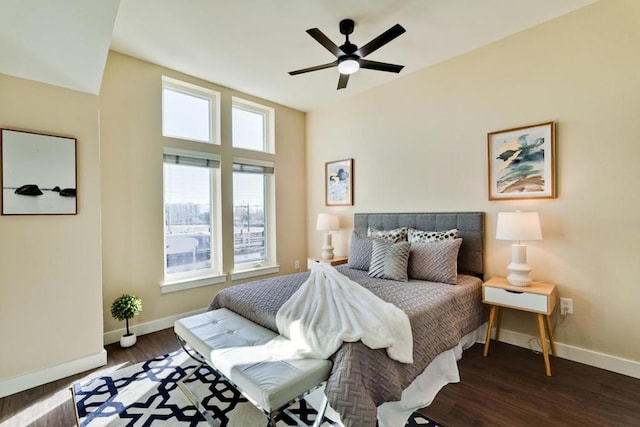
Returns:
<point x="296" y="264"/>
<point x="566" y="305"/>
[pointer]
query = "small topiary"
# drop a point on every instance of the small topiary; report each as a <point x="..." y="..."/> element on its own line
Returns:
<point x="125" y="308"/>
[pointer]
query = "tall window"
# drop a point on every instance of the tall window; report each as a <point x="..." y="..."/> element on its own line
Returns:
<point x="252" y="211"/>
<point x="192" y="247"/>
<point x="253" y="187"/>
<point x="190" y="213"/>
<point x="252" y="126"/>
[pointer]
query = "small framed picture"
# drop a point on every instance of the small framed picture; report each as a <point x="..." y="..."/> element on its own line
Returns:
<point x="338" y="181"/>
<point x="522" y="163"/>
<point x="38" y="173"/>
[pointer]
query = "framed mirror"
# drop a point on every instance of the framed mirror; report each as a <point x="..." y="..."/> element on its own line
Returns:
<point x="38" y="173"/>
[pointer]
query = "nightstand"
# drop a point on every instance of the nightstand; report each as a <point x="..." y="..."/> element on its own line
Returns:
<point x="332" y="261"/>
<point x="539" y="298"/>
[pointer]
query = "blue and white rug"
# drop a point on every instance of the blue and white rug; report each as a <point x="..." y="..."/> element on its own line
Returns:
<point x="147" y="394"/>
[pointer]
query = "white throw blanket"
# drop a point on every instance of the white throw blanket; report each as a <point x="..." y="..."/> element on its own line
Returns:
<point x="329" y="309"/>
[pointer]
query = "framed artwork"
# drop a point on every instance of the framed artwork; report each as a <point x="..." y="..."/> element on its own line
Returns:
<point x="338" y="181"/>
<point x="522" y="163"/>
<point x="38" y="173"/>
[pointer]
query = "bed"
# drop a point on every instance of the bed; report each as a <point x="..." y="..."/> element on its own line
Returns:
<point x="365" y="386"/>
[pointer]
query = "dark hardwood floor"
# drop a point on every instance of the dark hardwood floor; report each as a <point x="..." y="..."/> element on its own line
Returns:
<point x="508" y="388"/>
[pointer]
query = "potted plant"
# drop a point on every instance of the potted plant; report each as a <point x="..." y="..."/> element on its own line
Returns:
<point x="124" y="308"/>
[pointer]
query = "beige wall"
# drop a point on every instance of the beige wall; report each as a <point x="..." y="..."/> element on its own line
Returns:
<point x="132" y="144"/>
<point x="50" y="265"/>
<point x="419" y="144"/>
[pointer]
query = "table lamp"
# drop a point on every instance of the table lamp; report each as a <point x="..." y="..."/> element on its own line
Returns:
<point x="327" y="223"/>
<point x="518" y="226"/>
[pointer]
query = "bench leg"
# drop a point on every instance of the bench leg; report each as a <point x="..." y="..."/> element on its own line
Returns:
<point x="321" y="411"/>
<point x="208" y="415"/>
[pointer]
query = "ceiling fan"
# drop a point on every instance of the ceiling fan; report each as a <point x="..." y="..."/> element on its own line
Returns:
<point x="349" y="58"/>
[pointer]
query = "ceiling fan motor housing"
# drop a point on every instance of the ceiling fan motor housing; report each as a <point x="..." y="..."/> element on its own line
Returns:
<point x="346" y="26"/>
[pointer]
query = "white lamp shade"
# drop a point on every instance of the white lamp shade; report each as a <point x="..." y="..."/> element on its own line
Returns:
<point x="327" y="222"/>
<point x="348" y="66"/>
<point x="518" y="226"/>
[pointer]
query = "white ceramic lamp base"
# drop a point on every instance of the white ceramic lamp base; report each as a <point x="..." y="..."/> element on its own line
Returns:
<point x="518" y="269"/>
<point x="327" y="249"/>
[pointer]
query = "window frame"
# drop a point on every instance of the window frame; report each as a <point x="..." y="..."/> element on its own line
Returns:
<point x="202" y="277"/>
<point x="268" y="131"/>
<point x="199" y="92"/>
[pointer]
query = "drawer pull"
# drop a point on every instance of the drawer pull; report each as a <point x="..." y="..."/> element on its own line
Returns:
<point x="514" y="292"/>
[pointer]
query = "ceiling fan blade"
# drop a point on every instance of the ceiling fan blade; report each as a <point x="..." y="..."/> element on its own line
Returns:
<point x="315" y="68"/>
<point x="380" y="66"/>
<point x="342" y="82"/>
<point x="325" y="41"/>
<point x="381" y="40"/>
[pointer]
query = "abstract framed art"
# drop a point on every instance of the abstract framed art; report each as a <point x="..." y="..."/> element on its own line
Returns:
<point x="338" y="180"/>
<point x="522" y="163"/>
<point x="38" y="173"/>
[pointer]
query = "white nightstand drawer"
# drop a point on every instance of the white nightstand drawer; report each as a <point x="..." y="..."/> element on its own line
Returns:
<point x="516" y="299"/>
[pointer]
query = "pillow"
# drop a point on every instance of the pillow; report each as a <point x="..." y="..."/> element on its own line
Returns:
<point x="389" y="260"/>
<point x="395" y="235"/>
<point x="435" y="261"/>
<point x="360" y="252"/>
<point x="419" y="236"/>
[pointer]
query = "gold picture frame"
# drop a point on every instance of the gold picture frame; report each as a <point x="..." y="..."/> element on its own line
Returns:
<point x="522" y="163"/>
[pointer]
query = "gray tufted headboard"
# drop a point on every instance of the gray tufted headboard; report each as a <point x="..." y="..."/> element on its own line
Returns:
<point x="470" y="224"/>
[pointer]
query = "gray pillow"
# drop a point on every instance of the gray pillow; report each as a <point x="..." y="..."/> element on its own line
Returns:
<point x="395" y="235"/>
<point x="389" y="260"/>
<point x="419" y="236"/>
<point x="435" y="261"/>
<point x="360" y="252"/>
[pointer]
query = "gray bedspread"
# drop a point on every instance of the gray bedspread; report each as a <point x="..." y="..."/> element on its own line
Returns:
<point x="362" y="379"/>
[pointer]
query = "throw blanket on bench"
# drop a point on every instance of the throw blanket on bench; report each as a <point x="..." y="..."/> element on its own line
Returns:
<point x="329" y="309"/>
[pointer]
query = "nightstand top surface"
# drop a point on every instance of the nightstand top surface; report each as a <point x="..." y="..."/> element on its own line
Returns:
<point x="541" y="288"/>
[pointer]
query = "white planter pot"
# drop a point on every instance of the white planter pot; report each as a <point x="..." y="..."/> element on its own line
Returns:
<point x="128" y="340"/>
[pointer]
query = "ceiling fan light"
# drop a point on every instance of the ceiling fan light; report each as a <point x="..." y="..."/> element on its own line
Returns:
<point x="348" y="66"/>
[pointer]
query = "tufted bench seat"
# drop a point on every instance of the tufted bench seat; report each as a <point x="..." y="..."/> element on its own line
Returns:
<point x="233" y="346"/>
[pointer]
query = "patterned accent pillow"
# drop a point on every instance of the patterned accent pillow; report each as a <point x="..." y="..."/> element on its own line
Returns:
<point x="393" y="236"/>
<point x="435" y="261"/>
<point x="360" y="252"/>
<point x="389" y="260"/>
<point x="419" y="236"/>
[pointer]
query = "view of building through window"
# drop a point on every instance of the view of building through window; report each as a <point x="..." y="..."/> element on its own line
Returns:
<point x="249" y="218"/>
<point x="187" y="192"/>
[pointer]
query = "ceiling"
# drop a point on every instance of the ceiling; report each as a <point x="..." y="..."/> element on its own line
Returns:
<point x="250" y="45"/>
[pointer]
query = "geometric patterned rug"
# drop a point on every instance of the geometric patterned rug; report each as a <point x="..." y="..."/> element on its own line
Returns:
<point x="147" y="394"/>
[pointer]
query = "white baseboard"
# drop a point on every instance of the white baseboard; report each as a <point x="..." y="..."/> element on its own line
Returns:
<point x="148" y="327"/>
<point x="34" y="379"/>
<point x="616" y="364"/>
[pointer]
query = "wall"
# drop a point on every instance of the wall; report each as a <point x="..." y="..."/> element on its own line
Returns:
<point x="131" y="131"/>
<point x="419" y="144"/>
<point x="50" y="265"/>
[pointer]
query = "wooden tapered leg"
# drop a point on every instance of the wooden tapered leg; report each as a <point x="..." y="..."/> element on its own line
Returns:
<point x="498" y="323"/>
<point x="543" y="343"/>
<point x="553" y="346"/>
<point x="492" y="314"/>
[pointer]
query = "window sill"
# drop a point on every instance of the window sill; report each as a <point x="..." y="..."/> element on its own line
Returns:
<point x="254" y="272"/>
<point x="181" y="285"/>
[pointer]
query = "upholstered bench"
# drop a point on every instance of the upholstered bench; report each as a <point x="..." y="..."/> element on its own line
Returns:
<point x="233" y="346"/>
